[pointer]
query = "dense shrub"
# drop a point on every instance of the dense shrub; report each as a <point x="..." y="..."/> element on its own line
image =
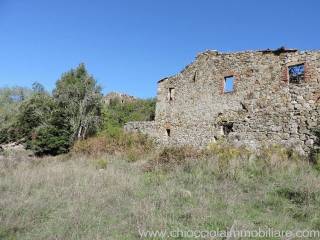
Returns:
<point x="298" y="197"/>
<point x="43" y="125"/>
<point x="10" y="100"/>
<point x="53" y="138"/>
<point x="169" y="157"/>
<point x="9" y="133"/>
<point x="132" y="144"/>
<point x="112" y="139"/>
<point x="33" y="113"/>
<point x="91" y="146"/>
<point x="228" y="161"/>
<point x="225" y="152"/>
<point x="176" y="155"/>
<point x="50" y="140"/>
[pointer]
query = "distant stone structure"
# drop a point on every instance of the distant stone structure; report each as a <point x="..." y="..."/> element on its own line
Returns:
<point x="118" y="97"/>
<point x="251" y="98"/>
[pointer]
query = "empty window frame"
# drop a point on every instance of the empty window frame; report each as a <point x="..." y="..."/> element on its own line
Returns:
<point x="227" y="127"/>
<point x="194" y="79"/>
<point x="171" y="94"/>
<point x="228" y="84"/>
<point x="168" y="131"/>
<point x="296" y="73"/>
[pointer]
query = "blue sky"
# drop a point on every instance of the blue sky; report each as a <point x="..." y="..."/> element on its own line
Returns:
<point x="129" y="45"/>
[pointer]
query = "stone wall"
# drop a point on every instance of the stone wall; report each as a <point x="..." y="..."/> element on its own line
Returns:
<point x="264" y="107"/>
<point x="150" y="128"/>
<point x="118" y="97"/>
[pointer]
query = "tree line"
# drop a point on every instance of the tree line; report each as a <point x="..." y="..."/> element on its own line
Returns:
<point x="50" y="123"/>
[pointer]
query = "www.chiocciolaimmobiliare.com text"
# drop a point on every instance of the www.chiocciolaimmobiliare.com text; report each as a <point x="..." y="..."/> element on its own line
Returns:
<point x="205" y="234"/>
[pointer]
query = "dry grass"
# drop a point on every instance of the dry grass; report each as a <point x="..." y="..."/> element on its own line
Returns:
<point x="133" y="145"/>
<point x="109" y="197"/>
<point x="55" y="199"/>
<point x="170" y="157"/>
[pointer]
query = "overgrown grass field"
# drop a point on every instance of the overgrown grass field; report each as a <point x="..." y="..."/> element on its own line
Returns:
<point x="114" y="196"/>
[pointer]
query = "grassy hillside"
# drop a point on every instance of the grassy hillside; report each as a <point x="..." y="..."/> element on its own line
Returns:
<point x="110" y="197"/>
<point x="114" y="185"/>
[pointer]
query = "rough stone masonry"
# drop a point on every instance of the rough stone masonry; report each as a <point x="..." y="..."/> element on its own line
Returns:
<point x="252" y="98"/>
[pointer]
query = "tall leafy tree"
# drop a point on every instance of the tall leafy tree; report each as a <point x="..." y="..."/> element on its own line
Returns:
<point x="49" y="124"/>
<point x="34" y="112"/>
<point x="78" y="93"/>
<point x="44" y="125"/>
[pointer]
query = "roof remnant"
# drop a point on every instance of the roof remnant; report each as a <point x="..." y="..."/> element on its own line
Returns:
<point x="163" y="79"/>
<point x="278" y="51"/>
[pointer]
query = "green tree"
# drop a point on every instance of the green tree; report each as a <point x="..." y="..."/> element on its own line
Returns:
<point x="52" y="138"/>
<point x="10" y="100"/>
<point x="78" y="93"/>
<point x="50" y="124"/>
<point x="33" y="113"/>
<point x="44" y="125"/>
<point x="116" y="114"/>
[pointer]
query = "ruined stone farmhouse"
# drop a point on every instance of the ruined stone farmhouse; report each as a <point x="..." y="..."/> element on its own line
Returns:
<point x="118" y="97"/>
<point x="251" y="98"/>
